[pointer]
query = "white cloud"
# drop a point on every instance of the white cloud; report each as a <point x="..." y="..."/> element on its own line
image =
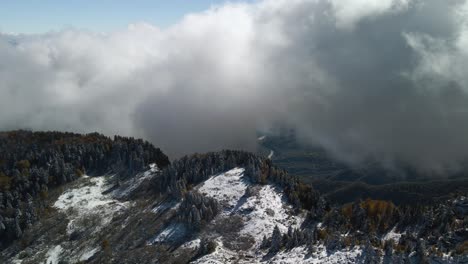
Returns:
<point x="349" y="12"/>
<point x="382" y="79"/>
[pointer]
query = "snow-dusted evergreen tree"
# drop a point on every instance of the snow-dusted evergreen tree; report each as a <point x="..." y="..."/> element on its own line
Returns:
<point x="276" y="240"/>
<point x="197" y="209"/>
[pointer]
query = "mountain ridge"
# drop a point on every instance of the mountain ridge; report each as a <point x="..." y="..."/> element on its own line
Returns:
<point x="230" y="207"/>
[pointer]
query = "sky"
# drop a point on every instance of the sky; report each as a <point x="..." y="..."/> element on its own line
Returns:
<point x="381" y="80"/>
<point x="41" y="16"/>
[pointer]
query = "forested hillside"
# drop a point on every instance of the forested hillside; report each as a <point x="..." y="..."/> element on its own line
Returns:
<point x="438" y="228"/>
<point x="31" y="163"/>
<point x="342" y="183"/>
<point x="218" y="207"/>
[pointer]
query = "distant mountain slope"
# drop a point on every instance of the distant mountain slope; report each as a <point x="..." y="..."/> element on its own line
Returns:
<point x="342" y="183"/>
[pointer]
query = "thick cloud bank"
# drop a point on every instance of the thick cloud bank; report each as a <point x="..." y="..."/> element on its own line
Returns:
<point x="383" y="79"/>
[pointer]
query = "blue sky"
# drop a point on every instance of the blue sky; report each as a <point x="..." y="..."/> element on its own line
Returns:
<point x="39" y="16"/>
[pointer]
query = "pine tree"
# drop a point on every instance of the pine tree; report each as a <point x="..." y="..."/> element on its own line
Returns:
<point x="276" y="240"/>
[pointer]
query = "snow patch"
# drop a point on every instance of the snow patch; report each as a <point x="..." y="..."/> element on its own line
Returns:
<point x="221" y="255"/>
<point x="88" y="254"/>
<point x="170" y="233"/>
<point x="132" y="184"/>
<point x="268" y="209"/>
<point x="53" y="255"/>
<point x="163" y="206"/>
<point x="193" y="244"/>
<point x="261" y="212"/>
<point x="88" y="201"/>
<point x="154" y="167"/>
<point x="271" y="154"/>
<point x="227" y="188"/>
<point x="300" y="255"/>
<point x="392" y="235"/>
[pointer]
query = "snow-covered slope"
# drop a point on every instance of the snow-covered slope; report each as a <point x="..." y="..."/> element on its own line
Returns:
<point x="98" y="213"/>
<point x="88" y="202"/>
<point x="228" y="188"/>
<point x="85" y="210"/>
<point x="262" y="209"/>
<point x="300" y="255"/>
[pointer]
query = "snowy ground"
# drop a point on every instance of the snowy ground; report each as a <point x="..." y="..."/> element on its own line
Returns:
<point x="220" y="256"/>
<point x="228" y="188"/>
<point x="261" y="212"/>
<point x="392" y="235"/>
<point x="171" y="233"/>
<point x="268" y="209"/>
<point x="128" y="187"/>
<point x="53" y="255"/>
<point x="193" y="244"/>
<point x="88" y="202"/>
<point x="163" y="206"/>
<point x="88" y="254"/>
<point x="297" y="255"/>
<point x="271" y="154"/>
<point x="265" y="209"/>
<point x="87" y="209"/>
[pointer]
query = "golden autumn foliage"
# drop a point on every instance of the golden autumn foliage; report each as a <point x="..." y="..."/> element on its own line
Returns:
<point x="44" y="194"/>
<point x="322" y="234"/>
<point x="79" y="172"/>
<point x="462" y="248"/>
<point x="5" y="182"/>
<point x="264" y="171"/>
<point x="105" y="244"/>
<point x="378" y="209"/>
<point x="347" y="210"/>
<point x="379" y="213"/>
<point x="23" y="164"/>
